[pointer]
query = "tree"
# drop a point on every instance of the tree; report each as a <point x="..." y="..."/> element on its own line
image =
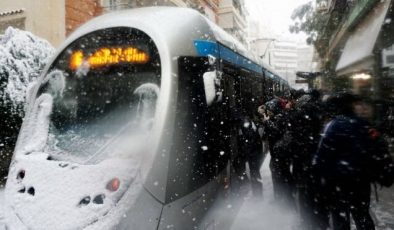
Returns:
<point x="317" y="24"/>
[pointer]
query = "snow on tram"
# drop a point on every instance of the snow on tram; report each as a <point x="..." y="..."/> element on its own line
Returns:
<point x="129" y="126"/>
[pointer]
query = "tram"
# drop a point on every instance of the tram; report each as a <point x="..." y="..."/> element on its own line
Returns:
<point x="130" y="125"/>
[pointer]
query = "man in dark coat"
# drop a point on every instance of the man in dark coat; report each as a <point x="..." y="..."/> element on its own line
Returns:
<point x="341" y="165"/>
<point x="249" y="151"/>
<point x="306" y="128"/>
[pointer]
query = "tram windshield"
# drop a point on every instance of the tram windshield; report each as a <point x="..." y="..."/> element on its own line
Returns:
<point x="103" y="86"/>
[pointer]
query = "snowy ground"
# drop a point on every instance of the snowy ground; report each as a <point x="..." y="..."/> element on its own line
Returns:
<point x="384" y="209"/>
<point x="1" y="208"/>
<point x="266" y="215"/>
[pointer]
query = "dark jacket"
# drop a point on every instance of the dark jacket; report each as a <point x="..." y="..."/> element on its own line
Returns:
<point x="344" y="150"/>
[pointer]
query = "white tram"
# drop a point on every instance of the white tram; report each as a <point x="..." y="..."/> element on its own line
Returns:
<point x="130" y="125"/>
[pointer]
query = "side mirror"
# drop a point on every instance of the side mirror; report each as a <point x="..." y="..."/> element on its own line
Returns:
<point x="212" y="87"/>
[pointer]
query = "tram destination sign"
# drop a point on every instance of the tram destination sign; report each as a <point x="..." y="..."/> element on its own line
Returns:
<point x="106" y="56"/>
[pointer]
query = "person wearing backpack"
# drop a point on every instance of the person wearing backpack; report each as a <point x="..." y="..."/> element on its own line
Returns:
<point x="343" y="165"/>
<point x="275" y="122"/>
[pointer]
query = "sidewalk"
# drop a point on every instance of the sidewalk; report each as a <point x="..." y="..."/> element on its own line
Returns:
<point x="2" y="227"/>
<point x="384" y="209"/>
<point x="265" y="215"/>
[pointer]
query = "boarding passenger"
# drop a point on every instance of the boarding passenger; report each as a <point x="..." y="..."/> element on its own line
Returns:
<point x="275" y="125"/>
<point x="307" y="125"/>
<point x="249" y="151"/>
<point x="344" y="165"/>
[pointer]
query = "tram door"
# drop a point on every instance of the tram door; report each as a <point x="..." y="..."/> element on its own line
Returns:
<point x="233" y="100"/>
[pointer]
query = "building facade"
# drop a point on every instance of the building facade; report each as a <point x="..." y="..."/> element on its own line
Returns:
<point x="233" y="18"/>
<point x="282" y="56"/>
<point x="207" y="7"/>
<point x="44" y="18"/>
<point x="79" y="11"/>
<point x="228" y="14"/>
<point x="54" y="22"/>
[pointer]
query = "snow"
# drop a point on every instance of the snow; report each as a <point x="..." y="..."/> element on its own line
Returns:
<point x="148" y="93"/>
<point x="209" y="86"/>
<point x="39" y="124"/>
<point x="61" y="186"/>
<point x="2" y="220"/>
<point x="264" y="214"/>
<point x="22" y="57"/>
<point x="64" y="194"/>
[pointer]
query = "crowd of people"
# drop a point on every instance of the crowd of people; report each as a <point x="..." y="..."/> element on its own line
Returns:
<point x="325" y="155"/>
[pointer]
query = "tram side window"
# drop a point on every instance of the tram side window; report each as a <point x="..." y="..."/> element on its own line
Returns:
<point x="257" y="87"/>
<point x="247" y="93"/>
<point x="269" y="88"/>
<point x="258" y="93"/>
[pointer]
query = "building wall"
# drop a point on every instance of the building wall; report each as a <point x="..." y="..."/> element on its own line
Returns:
<point x="44" y="18"/>
<point x="112" y="5"/>
<point x="305" y="58"/>
<point x="207" y="7"/>
<point x="16" y="19"/>
<point x="282" y="56"/>
<point x="79" y="12"/>
<point x="232" y="18"/>
<point x="210" y="9"/>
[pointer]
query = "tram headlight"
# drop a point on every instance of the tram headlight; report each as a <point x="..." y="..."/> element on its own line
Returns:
<point x="113" y="185"/>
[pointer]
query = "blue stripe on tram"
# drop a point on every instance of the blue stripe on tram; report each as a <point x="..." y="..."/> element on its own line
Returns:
<point x="205" y="48"/>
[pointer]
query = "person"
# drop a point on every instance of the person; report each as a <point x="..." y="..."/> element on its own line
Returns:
<point x="249" y="151"/>
<point x="307" y="124"/>
<point x="341" y="164"/>
<point x="275" y="124"/>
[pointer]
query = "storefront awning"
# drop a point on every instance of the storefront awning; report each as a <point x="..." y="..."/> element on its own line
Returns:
<point x="358" y="52"/>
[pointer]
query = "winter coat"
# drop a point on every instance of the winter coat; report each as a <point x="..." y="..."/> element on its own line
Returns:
<point x="248" y="135"/>
<point x="346" y="150"/>
<point x="305" y="131"/>
<point x="306" y="127"/>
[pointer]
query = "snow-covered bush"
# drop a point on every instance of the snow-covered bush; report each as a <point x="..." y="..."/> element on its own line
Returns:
<point x="22" y="58"/>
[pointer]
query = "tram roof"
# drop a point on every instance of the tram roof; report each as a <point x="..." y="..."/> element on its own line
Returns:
<point x="176" y="25"/>
<point x="178" y="28"/>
